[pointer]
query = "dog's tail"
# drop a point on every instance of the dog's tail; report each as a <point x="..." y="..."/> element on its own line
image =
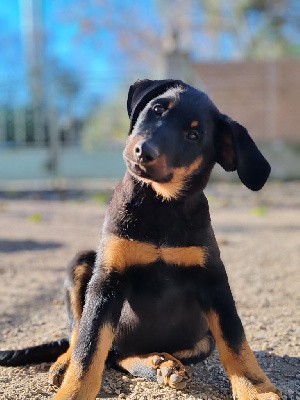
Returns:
<point x="46" y="352"/>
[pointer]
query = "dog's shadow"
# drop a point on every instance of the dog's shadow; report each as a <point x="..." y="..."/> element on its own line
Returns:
<point x="12" y="246"/>
<point x="208" y="381"/>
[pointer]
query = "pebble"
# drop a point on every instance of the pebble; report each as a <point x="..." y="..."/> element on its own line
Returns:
<point x="260" y="284"/>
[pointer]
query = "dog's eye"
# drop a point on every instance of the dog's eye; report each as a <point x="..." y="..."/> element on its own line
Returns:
<point x="158" y="109"/>
<point x="192" y="135"/>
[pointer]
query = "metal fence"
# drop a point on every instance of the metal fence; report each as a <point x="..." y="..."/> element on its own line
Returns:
<point x="37" y="145"/>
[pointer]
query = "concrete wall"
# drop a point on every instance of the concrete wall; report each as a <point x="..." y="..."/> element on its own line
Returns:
<point x="32" y="163"/>
<point x="263" y="96"/>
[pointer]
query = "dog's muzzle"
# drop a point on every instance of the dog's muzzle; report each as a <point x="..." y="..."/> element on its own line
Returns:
<point x="145" y="153"/>
<point x="145" y="161"/>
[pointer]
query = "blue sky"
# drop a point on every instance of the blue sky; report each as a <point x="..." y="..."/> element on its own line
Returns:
<point x="93" y="58"/>
<point x="10" y="40"/>
<point x="63" y="49"/>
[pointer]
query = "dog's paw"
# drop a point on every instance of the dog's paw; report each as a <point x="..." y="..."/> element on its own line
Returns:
<point x="57" y="371"/>
<point x="268" y="396"/>
<point x="170" y="371"/>
<point x="258" y="396"/>
<point x="244" y="390"/>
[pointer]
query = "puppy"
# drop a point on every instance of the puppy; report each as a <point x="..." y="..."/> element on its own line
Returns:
<point x="156" y="296"/>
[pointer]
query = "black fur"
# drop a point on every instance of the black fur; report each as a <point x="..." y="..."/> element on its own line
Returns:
<point x="47" y="352"/>
<point x="162" y="307"/>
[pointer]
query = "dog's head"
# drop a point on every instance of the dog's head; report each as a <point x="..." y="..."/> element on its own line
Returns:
<point x="177" y="134"/>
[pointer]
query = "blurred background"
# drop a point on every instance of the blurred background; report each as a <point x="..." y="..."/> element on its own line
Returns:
<point x="66" y="66"/>
<point x="65" y="70"/>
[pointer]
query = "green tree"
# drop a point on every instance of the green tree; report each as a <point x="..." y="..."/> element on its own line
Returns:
<point x="108" y="123"/>
<point x="259" y="28"/>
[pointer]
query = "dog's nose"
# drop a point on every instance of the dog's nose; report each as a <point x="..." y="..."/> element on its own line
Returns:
<point x="146" y="152"/>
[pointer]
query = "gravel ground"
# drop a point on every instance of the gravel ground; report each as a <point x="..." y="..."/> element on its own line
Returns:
<point x="260" y="243"/>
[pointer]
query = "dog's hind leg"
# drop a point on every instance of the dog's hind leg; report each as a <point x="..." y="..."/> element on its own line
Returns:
<point x="247" y="379"/>
<point x="79" y="273"/>
<point x="199" y="352"/>
<point x="100" y="317"/>
<point x="160" y="367"/>
<point x="167" y="369"/>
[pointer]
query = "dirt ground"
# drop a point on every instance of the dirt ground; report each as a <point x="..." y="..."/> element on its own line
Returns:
<point x="259" y="237"/>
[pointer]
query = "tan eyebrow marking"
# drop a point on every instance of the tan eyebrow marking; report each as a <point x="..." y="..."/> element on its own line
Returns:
<point x="194" y="124"/>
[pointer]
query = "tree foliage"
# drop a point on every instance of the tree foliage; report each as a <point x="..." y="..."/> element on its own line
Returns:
<point x="254" y="28"/>
<point x="135" y="38"/>
<point x="108" y="123"/>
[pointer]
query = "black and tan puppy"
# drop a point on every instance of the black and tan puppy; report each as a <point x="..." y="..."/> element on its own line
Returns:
<point x="156" y="295"/>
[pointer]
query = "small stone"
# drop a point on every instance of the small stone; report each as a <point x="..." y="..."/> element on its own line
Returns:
<point x="180" y="385"/>
<point x="175" y="378"/>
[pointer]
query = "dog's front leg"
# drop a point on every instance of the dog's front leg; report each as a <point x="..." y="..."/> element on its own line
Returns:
<point x="100" y="317"/>
<point x="247" y="378"/>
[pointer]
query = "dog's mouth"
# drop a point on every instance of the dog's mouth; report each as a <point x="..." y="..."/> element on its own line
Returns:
<point x="166" y="182"/>
<point x="148" y="173"/>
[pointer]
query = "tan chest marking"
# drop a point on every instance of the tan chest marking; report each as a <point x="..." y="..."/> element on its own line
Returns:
<point x="119" y="253"/>
<point x="173" y="189"/>
<point x="192" y="255"/>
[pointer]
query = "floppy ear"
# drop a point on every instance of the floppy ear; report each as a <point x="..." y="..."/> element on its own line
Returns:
<point x="142" y="91"/>
<point x="135" y="93"/>
<point x="237" y="151"/>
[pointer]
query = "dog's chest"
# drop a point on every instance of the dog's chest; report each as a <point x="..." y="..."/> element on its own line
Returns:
<point x="144" y="230"/>
<point x="160" y="301"/>
<point x="154" y="222"/>
<point x="161" y="281"/>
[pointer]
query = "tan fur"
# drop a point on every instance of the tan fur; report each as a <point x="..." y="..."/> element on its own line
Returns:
<point x="242" y="368"/>
<point x="85" y="385"/>
<point x="119" y="253"/>
<point x="186" y="256"/>
<point x="82" y="274"/>
<point x="173" y="189"/>
<point x="55" y="374"/>
<point x="201" y="347"/>
<point x="70" y="387"/>
<point x="194" y="124"/>
<point x="131" y="364"/>
<point x="131" y="143"/>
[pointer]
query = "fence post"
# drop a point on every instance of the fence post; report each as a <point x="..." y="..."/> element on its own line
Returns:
<point x="271" y="98"/>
